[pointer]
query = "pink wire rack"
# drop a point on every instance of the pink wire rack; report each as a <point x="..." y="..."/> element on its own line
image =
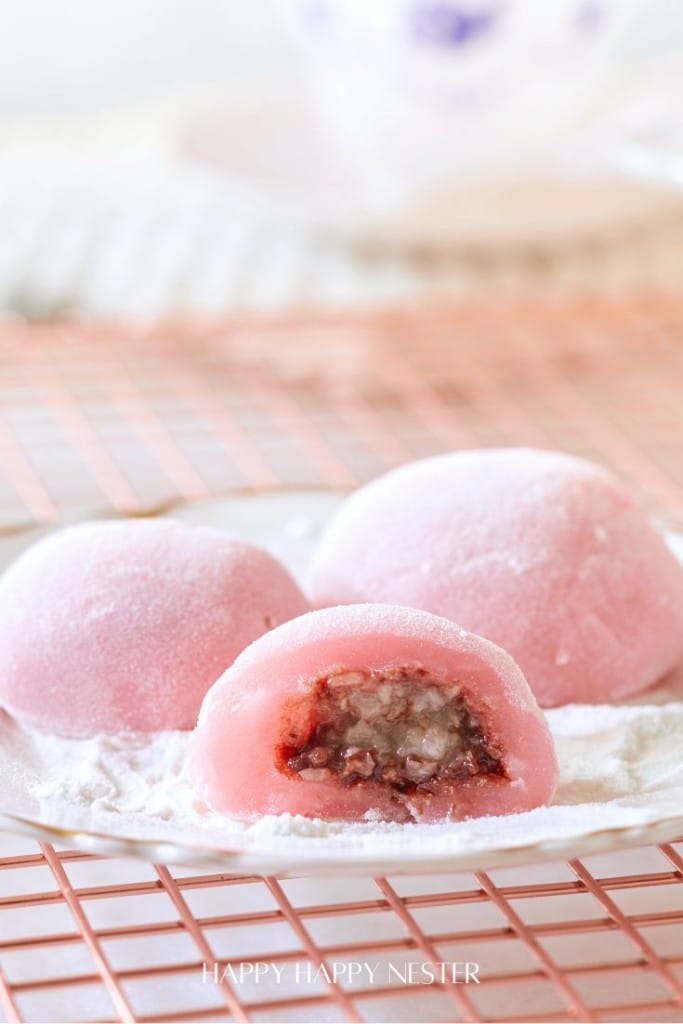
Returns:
<point x="98" y="420"/>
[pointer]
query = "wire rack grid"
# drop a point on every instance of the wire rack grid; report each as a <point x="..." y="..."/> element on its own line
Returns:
<point x="111" y="420"/>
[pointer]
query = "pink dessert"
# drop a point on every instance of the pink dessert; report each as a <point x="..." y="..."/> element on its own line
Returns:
<point x="116" y="626"/>
<point x="545" y="554"/>
<point x="372" y="712"/>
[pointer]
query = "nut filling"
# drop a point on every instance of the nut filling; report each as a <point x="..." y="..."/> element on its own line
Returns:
<point x="402" y="727"/>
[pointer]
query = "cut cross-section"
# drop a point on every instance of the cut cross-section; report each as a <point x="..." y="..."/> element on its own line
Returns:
<point x="372" y="712"/>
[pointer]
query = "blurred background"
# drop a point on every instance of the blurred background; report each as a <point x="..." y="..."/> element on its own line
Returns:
<point x="330" y="237"/>
<point x="167" y="157"/>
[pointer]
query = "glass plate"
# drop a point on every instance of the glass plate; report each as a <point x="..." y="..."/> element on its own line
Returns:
<point x="288" y="523"/>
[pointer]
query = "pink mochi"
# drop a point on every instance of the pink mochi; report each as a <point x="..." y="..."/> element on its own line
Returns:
<point x="118" y="626"/>
<point x="267" y="743"/>
<point x="545" y="554"/>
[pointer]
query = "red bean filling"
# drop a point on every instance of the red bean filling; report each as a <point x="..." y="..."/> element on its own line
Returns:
<point x="402" y="727"/>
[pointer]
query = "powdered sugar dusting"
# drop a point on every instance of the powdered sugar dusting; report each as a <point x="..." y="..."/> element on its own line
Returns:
<point x="619" y="766"/>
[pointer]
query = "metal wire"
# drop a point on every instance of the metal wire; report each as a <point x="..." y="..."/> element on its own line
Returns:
<point x="432" y="946"/>
<point x="106" y="420"/>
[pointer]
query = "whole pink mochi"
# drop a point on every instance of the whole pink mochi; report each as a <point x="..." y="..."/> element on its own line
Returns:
<point x="117" y="626"/>
<point x="372" y="712"/>
<point x="545" y="554"/>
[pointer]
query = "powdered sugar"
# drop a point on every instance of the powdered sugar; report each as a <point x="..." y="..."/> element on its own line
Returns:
<point x="619" y="767"/>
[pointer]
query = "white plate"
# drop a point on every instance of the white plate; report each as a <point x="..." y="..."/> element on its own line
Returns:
<point x="272" y="147"/>
<point x="592" y="816"/>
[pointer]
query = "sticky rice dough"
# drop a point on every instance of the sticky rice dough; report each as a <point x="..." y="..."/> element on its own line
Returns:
<point x="544" y="554"/>
<point x="119" y="626"/>
<point x="372" y="712"/>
